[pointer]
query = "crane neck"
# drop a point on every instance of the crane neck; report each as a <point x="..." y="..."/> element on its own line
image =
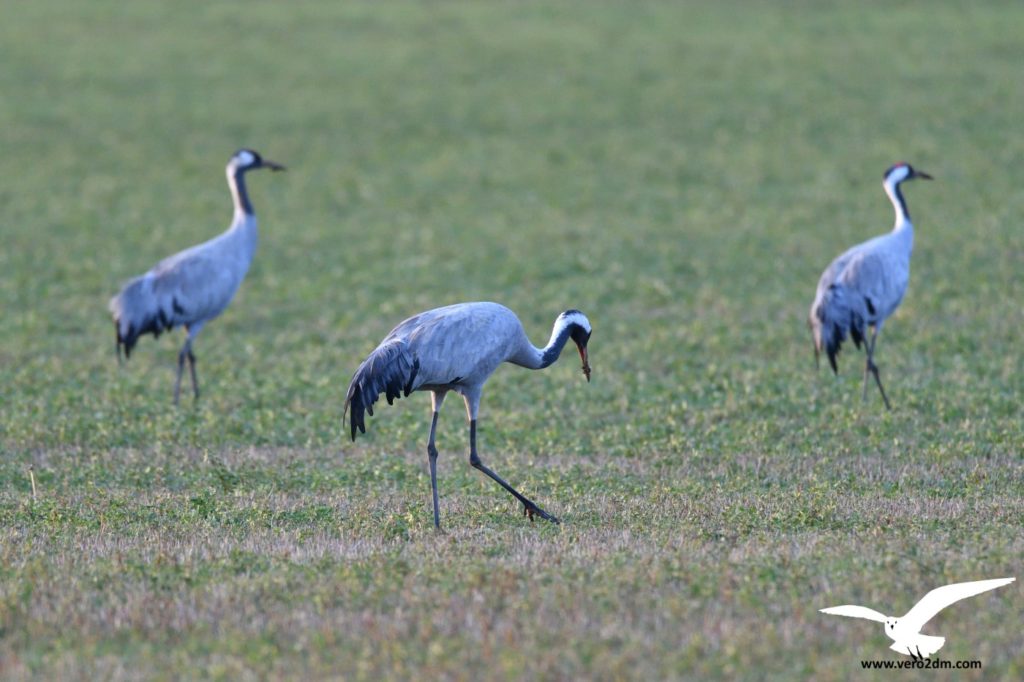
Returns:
<point x="899" y="204"/>
<point x="239" y="194"/>
<point x="546" y="356"/>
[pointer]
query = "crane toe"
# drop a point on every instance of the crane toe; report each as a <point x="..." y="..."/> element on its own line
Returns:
<point x="530" y="511"/>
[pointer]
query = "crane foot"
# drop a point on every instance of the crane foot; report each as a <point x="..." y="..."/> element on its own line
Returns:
<point x="530" y="511"/>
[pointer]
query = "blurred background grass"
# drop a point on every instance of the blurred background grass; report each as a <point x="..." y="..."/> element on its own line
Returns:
<point x="680" y="172"/>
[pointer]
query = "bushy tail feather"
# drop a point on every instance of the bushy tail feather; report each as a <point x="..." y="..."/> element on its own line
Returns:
<point x="837" y="313"/>
<point x="138" y="311"/>
<point x="390" y="369"/>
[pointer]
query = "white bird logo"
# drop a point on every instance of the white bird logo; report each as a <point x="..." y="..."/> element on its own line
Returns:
<point x="905" y="632"/>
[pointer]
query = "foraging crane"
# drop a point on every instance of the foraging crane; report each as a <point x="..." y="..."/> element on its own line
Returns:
<point x="456" y="348"/>
<point x="194" y="286"/>
<point x="864" y="285"/>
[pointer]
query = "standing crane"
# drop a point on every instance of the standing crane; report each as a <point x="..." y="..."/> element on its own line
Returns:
<point x="194" y="286"/>
<point x="865" y="284"/>
<point x="456" y="348"/>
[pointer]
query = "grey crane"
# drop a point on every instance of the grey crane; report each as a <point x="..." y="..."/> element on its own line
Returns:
<point x="194" y="286"/>
<point x="456" y="348"/>
<point x="865" y="284"/>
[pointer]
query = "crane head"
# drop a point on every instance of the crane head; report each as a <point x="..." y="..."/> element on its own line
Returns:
<point x="579" y="332"/>
<point x="248" y="159"/>
<point x="900" y="172"/>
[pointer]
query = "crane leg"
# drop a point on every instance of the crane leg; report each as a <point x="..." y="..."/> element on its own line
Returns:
<point x="432" y="455"/>
<point x="530" y="509"/>
<point x="871" y="367"/>
<point x="181" y="368"/>
<point x="868" y="348"/>
<point x="192" y="371"/>
<point x="186" y="354"/>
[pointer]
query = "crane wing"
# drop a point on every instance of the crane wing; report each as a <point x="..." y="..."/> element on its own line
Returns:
<point x="873" y="276"/>
<point x="853" y="611"/>
<point x="463" y="342"/>
<point x="941" y="597"/>
<point x="390" y="369"/>
<point x="202" y="284"/>
<point x="839" y="306"/>
<point x="835" y="312"/>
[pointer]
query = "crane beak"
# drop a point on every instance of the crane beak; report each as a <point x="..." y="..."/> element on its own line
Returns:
<point x="586" y="364"/>
<point x="922" y="175"/>
<point x="273" y="165"/>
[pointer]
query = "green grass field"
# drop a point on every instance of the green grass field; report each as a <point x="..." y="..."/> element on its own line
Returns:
<point x="681" y="172"/>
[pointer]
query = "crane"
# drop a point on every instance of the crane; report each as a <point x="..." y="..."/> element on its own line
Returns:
<point x="456" y="348"/>
<point x="194" y="286"/>
<point x="863" y="286"/>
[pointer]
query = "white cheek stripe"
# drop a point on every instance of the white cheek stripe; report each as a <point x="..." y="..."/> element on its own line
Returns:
<point x="577" y="318"/>
<point x="899" y="174"/>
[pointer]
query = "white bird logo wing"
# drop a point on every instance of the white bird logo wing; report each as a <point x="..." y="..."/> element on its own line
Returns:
<point x="853" y="611"/>
<point x="941" y="597"/>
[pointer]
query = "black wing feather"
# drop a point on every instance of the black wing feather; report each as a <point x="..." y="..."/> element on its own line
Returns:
<point x="142" y="311"/>
<point x="390" y="369"/>
<point x="838" y="314"/>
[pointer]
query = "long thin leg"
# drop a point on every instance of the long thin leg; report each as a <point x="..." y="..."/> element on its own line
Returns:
<point x="871" y="367"/>
<point x="529" y="507"/>
<point x="186" y="354"/>
<point x="868" y="347"/>
<point x="192" y="370"/>
<point x="181" y="367"/>
<point x="436" y="401"/>
<point x="878" y="380"/>
<point x="432" y="455"/>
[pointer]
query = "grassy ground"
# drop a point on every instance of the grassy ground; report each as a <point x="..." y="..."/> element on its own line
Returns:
<point x="682" y="173"/>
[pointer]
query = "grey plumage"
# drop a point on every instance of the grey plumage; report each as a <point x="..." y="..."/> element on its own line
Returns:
<point x="141" y="312"/>
<point x="456" y="348"/>
<point x="864" y="285"/>
<point x="838" y="311"/>
<point x="194" y="286"/>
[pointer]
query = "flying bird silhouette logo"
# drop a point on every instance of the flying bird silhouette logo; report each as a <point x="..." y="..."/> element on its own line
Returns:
<point x="905" y="632"/>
